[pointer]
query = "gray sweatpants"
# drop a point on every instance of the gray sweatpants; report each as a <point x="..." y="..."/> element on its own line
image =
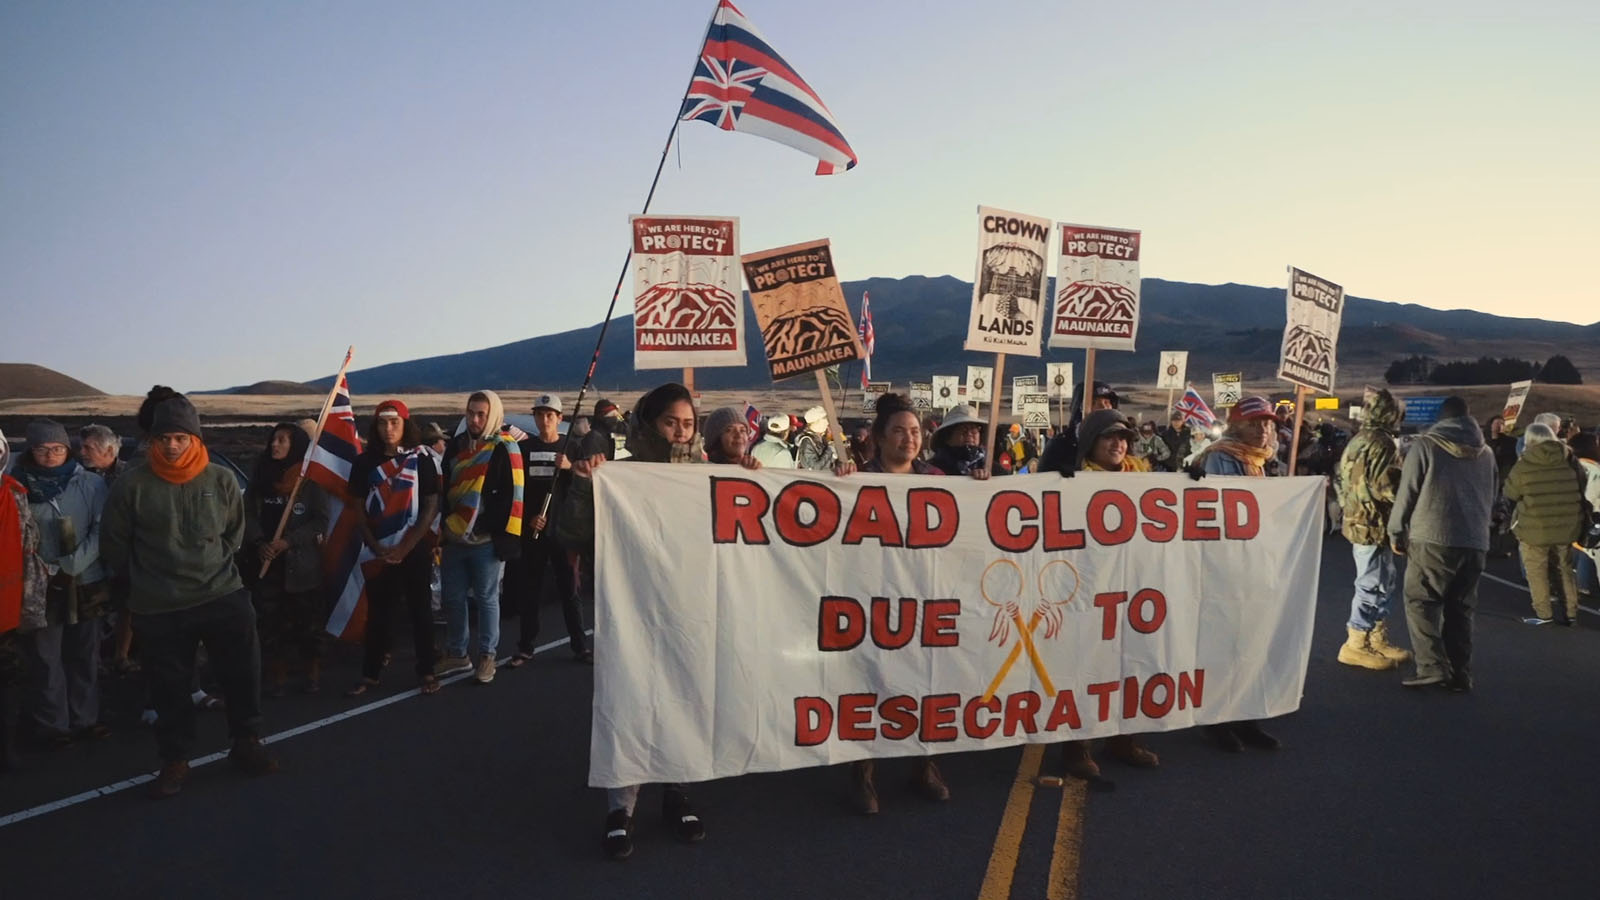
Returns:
<point x="1441" y="593"/>
<point x="62" y="687"/>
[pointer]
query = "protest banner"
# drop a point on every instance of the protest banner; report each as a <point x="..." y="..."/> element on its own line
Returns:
<point x="1309" y="355"/>
<point x="687" y="309"/>
<point x="907" y="616"/>
<point x="1007" y="293"/>
<point x="1227" y="389"/>
<point x="979" y="378"/>
<point x="1097" y="288"/>
<point x="1058" y="378"/>
<point x="870" y="395"/>
<point x="1022" y="384"/>
<point x="946" y="391"/>
<point x="1172" y="374"/>
<point x="805" y="323"/>
<point x="922" y="396"/>
<point x="1514" y="402"/>
<point x="1035" y="411"/>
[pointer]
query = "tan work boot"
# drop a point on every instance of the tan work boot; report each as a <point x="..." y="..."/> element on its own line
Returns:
<point x="485" y="671"/>
<point x="1358" y="652"/>
<point x="1378" y="641"/>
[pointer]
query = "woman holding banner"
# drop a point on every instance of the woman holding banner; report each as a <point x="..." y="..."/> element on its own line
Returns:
<point x="730" y="439"/>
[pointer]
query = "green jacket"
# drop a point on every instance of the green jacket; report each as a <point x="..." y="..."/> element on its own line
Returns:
<point x="175" y="542"/>
<point x="1547" y="487"/>
<point x="1369" y="474"/>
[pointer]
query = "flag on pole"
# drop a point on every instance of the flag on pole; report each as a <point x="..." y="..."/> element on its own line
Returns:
<point x="752" y="419"/>
<point x="742" y="84"/>
<point x="328" y="463"/>
<point x="1194" y="409"/>
<point x="869" y="339"/>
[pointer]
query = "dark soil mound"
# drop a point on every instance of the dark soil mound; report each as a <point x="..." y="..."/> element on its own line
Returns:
<point x="276" y="388"/>
<point x="25" y="380"/>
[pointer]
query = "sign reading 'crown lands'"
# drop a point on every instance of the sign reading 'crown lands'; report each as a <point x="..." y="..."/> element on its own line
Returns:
<point x="804" y="321"/>
<point x="1097" y="288"/>
<point x="686" y="306"/>
<point x="1008" y="290"/>
<point x="1311" y="335"/>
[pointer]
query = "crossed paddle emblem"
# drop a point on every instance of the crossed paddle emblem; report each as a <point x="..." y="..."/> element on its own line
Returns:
<point x="1045" y="611"/>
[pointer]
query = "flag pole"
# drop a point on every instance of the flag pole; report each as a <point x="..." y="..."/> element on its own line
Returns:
<point x="305" y="462"/>
<point x="605" y="326"/>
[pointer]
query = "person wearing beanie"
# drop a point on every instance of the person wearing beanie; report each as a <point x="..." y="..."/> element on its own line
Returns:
<point x="773" y="449"/>
<point x="1440" y="522"/>
<point x="288" y="596"/>
<point x="544" y="459"/>
<point x="1547" y="486"/>
<point x="730" y="438"/>
<point x="62" y="700"/>
<point x="173" y="527"/>
<point x="1104" y="440"/>
<point x="394" y="473"/>
<point x="1062" y="450"/>
<point x="1368" y="476"/>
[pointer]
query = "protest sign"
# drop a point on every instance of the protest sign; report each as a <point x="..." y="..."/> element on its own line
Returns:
<point x="1311" y="335"/>
<point x="870" y="395"/>
<point x="946" y="391"/>
<point x="1058" y="380"/>
<point x="1226" y="390"/>
<point x="979" y="378"/>
<point x="687" y="311"/>
<point x="921" y="396"/>
<point x="1008" y="289"/>
<point x="1518" y="396"/>
<point x="804" y="321"/>
<point x="905" y="616"/>
<point x="1035" y="411"/>
<point x="1097" y="289"/>
<point x="1022" y="384"/>
<point x="1173" y="372"/>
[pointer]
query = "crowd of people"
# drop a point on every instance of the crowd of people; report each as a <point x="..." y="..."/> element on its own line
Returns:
<point x="161" y="565"/>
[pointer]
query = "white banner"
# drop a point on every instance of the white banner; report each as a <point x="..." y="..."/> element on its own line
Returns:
<point x="980" y="381"/>
<point x="1020" y="385"/>
<point x="1172" y="374"/>
<point x="1058" y="378"/>
<point x="688" y="311"/>
<point x="902" y="615"/>
<point x="1097" y="288"/>
<point x="1008" y="289"/>
<point x="1309" y="356"/>
<point x="1227" y="389"/>
<point x="1514" y="401"/>
<point x="946" y="391"/>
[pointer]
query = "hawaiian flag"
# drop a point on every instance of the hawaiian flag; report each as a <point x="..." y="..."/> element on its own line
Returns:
<point x="1195" y="409"/>
<point x="328" y="464"/>
<point x="752" y="419"/>
<point x="742" y="84"/>
<point x="869" y="338"/>
<point x="390" y="509"/>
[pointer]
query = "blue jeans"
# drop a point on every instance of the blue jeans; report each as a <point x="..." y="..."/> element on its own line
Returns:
<point x="1587" y="577"/>
<point x="474" y="567"/>
<point x="1375" y="585"/>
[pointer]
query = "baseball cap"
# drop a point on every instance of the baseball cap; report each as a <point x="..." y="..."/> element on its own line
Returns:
<point x="394" y="408"/>
<point x="548" y="401"/>
<point x="1254" y="408"/>
<point x="604" y="407"/>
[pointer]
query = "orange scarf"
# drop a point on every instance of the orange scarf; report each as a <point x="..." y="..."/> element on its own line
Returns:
<point x="190" y="464"/>
<point x="11" y="571"/>
<point x="1129" y="464"/>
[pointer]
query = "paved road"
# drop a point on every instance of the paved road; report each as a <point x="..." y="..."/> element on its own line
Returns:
<point x="479" y="792"/>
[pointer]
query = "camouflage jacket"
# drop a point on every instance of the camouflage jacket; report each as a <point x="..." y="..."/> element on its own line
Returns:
<point x="1369" y="474"/>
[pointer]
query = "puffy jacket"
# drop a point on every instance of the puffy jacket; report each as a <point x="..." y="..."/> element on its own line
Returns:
<point x="1547" y="487"/>
<point x="300" y="566"/>
<point x="1369" y="474"/>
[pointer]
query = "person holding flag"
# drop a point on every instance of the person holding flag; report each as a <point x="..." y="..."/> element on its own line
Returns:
<point x="869" y="339"/>
<point x="397" y="485"/>
<point x="288" y="596"/>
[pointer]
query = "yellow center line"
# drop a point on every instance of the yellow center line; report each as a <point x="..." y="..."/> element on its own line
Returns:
<point x="1063" y="883"/>
<point x="1008" y="840"/>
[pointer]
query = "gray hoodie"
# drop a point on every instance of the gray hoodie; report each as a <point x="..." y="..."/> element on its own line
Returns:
<point x="1446" y="488"/>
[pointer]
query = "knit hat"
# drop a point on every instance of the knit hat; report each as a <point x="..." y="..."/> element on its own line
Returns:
<point x="604" y="408"/>
<point x="47" y="431"/>
<point x="1098" y="424"/>
<point x="719" y="420"/>
<point x="175" y="414"/>
<point x="1254" y="408"/>
<point x="394" y="406"/>
<point x="1538" y="433"/>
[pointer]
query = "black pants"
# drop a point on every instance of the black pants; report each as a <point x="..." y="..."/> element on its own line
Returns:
<point x="537" y="556"/>
<point x="168" y="642"/>
<point x="404" y="586"/>
<point x="1441" y="594"/>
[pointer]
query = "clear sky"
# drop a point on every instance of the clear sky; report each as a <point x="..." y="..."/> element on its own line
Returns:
<point x="205" y="194"/>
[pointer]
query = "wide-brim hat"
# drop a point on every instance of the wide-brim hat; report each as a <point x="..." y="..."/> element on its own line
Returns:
<point x="959" y="415"/>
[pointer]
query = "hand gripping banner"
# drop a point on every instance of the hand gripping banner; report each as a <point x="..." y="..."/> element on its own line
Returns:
<point x="755" y="622"/>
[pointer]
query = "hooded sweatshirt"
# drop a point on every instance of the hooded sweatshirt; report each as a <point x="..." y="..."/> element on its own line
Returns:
<point x="500" y="498"/>
<point x="1547" y="487"/>
<point x="1369" y="473"/>
<point x="1447" y="487"/>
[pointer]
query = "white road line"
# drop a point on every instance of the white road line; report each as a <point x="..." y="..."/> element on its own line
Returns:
<point x="120" y="786"/>
<point x="1524" y="588"/>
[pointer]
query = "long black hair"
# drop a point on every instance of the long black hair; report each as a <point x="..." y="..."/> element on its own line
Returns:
<point x="410" y="435"/>
<point x="269" y="472"/>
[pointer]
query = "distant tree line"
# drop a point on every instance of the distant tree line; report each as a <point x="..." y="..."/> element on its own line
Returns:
<point x="1486" y="370"/>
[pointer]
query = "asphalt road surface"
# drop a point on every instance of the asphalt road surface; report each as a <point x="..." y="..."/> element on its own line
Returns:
<point x="480" y="791"/>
